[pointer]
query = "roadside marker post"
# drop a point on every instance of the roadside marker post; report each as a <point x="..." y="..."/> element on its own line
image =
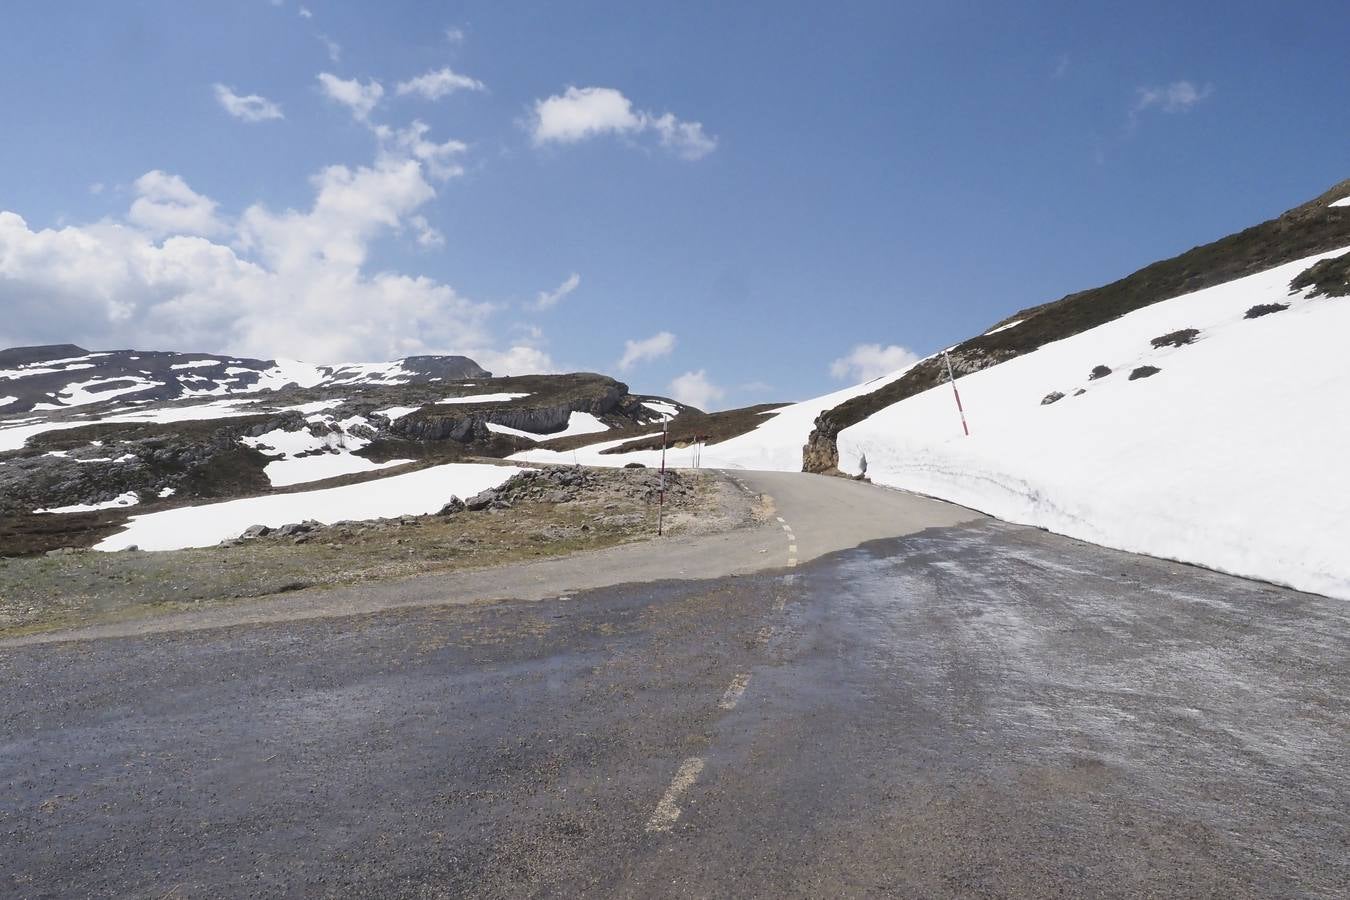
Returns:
<point x="661" y="485"/>
<point x="956" y="393"/>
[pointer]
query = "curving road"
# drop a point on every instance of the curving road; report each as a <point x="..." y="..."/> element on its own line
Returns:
<point x="958" y="707"/>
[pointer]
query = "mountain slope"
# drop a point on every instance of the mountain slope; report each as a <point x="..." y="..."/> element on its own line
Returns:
<point x="1317" y="226"/>
<point x="60" y="376"/>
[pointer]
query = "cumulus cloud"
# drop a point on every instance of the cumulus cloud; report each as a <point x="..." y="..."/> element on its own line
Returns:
<point x="249" y="108"/>
<point x="1177" y="97"/>
<point x="654" y="347"/>
<point x="165" y="204"/>
<point x="694" y="389"/>
<point x="579" y="114"/>
<point x="305" y="13"/>
<point x="438" y="83"/>
<point x="550" y="299"/>
<point x="868" y="361"/>
<point x="351" y="93"/>
<point x="442" y="160"/>
<point x="291" y="283"/>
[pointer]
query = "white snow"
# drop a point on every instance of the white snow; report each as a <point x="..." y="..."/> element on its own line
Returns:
<point x="299" y="470"/>
<point x="577" y="423"/>
<point x="130" y="498"/>
<point x="1344" y="201"/>
<point x="167" y="492"/>
<point x="503" y="429"/>
<point x="13" y="437"/>
<point x="6" y="401"/>
<point x="196" y="364"/>
<point x="81" y="393"/>
<point x="1231" y="457"/>
<point x="662" y="408"/>
<point x="484" y="398"/>
<point x="25" y="372"/>
<point x="394" y="413"/>
<point x="414" y="493"/>
<point x="1012" y="324"/>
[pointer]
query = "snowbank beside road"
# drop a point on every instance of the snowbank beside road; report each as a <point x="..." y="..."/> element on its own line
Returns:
<point x="1231" y="456"/>
<point x="416" y="493"/>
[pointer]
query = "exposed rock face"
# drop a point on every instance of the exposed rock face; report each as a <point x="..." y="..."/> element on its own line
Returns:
<point x="468" y="422"/>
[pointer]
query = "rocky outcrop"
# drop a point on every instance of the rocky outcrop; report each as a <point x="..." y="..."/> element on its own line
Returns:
<point x="466" y="423"/>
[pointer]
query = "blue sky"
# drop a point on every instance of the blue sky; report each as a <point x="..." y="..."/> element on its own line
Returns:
<point x="746" y="193"/>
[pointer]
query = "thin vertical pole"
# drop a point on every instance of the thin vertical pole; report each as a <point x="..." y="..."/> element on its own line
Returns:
<point x="661" y="502"/>
<point x="956" y="393"/>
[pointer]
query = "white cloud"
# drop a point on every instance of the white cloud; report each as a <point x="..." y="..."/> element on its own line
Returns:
<point x="428" y="236"/>
<point x="284" y="283"/>
<point x="96" y="188"/>
<point x="1179" y="96"/>
<point x="442" y="160"/>
<point x="351" y="93"/>
<point x="333" y="47"/>
<point x="515" y="360"/>
<point x="550" y="299"/>
<point x="686" y="139"/>
<point x="165" y="204"/>
<point x="305" y="13"/>
<point x="694" y="389"/>
<point x="654" y="347"/>
<point x="578" y="114"/>
<point x="454" y="35"/>
<point x="436" y="84"/>
<point x="868" y="361"/>
<point x="250" y="108"/>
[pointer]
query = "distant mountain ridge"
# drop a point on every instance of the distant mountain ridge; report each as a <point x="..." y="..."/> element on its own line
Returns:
<point x="60" y="376"/>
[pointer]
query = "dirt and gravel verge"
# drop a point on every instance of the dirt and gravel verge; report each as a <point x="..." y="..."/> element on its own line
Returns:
<point x="539" y="514"/>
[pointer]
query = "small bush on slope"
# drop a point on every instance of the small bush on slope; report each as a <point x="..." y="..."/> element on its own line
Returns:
<point x="1328" y="278"/>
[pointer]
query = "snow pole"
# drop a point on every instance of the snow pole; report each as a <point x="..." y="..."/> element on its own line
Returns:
<point x="956" y="393"/>
<point x="661" y="485"/>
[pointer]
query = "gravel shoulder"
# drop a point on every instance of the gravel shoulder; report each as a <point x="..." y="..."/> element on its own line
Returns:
<point x="559" y="513"/>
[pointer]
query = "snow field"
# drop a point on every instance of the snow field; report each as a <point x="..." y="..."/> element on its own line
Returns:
<point x="415" y="493"/>
<point x="1231" y="457"/>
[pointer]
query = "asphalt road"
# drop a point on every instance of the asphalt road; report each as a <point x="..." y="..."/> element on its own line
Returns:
<point x="966" y="709"/>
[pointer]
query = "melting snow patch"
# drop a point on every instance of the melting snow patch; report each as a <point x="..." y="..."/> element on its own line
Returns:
<point x="1012" y="324"/>
<point x="662" y="408"/>
<point x="415" y="493"/>
<point x="299" y="470"/>
<point x="394" y="413"/>
<point x="484" y="398"/>
<point x="577" y="423"/>
<point x="128" y="499"/>
<point x="196" y="364"/>
<point x="6" y="401"/>
<point x="1344" y="201"/>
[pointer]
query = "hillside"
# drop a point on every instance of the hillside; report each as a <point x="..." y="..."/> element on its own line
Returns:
<point x="103" y="436"/>
<point x="1320" y="225"/>
<point x="1190" y="411"/>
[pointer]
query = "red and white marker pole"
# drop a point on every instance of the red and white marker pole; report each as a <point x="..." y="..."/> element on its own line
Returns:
<point x="956" y="393"/>
<point x="661" y="501"/>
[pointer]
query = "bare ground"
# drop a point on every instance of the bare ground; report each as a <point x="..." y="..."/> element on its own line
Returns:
<point x="77" y="588"/>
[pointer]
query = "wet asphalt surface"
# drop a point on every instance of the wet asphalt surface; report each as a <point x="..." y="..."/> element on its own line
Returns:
<point x="981" y="710"/>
